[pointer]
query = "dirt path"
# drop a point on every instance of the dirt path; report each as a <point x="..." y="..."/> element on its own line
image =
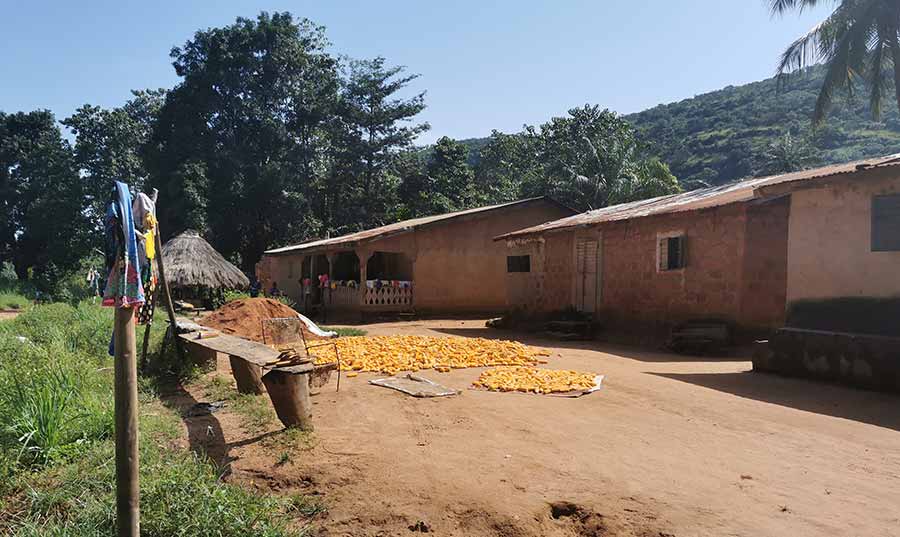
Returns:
<point x="671" y="445"/>
<point x="9" y="314"/>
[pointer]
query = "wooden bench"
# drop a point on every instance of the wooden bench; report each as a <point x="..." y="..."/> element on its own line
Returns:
<point x="288" y="387"/>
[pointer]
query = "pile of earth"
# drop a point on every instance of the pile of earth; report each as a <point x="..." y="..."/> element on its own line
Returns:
<point x="244" y="317"/>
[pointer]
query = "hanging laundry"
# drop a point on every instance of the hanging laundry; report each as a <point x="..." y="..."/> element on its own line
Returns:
<point x="123" y="286"/>
<point x="143" y="212"/>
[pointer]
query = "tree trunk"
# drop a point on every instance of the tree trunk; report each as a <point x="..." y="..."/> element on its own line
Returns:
<point x="247" y="376"/>
<point x="290" y="397"/>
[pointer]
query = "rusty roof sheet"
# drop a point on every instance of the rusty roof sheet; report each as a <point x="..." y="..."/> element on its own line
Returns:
<point x="397" y="227"/>
<point x="703" y="198"/>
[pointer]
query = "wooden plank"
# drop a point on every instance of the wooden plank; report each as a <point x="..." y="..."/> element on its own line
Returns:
<point x="255" y="353"/>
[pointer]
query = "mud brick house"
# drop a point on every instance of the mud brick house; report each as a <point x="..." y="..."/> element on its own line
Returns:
<point x="447" y="263"/>
<point x="744" y="251"/>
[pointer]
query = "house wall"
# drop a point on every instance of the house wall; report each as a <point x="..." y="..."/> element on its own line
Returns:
<point x="548" y="287"/>
<point x="731" y="251"/>
<point x="764" y="284"/>
<point x="456" y="265"/>
<point x="708" y="286"/>
<point x="829" y="243"/>
<point x="286" y="269"/>
<point x="459" y="266"/>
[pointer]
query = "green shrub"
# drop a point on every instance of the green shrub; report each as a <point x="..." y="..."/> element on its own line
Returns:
<point x="38" y="413"/>
<point x="230" y="296"/>
<point x="181" y="494"/>
<point x="13" y="301"/>
<point x="57" y="475"/>
<point x="287" y="301"/>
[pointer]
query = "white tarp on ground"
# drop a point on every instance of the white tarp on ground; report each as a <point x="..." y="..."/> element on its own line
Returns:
<point x="415" y="385"/>
<point x="314" y="329"/>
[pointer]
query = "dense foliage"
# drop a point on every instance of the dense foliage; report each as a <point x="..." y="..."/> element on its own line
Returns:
<point x="726" y="134"/>
<point x="269" y="139"/>
<point x="858" y="44"/>
<point x="56" y="446"/>
<point x="587" y="159"/>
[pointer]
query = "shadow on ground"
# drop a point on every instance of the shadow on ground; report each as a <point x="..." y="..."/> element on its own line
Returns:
<point x="642" y="354"/>
<point x="205" y="435"/>
<point x="874" y="408"/>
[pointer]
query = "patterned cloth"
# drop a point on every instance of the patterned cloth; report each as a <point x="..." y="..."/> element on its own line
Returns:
<point x="123" y="287"/>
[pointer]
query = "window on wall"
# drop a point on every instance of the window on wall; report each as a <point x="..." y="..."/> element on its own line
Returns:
<point x="672" y="253"/>
<point x="518" y="263"/>
<point x="886" y="223"/>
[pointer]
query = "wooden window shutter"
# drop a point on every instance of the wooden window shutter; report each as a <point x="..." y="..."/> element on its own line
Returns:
<point x="663" y="254"/>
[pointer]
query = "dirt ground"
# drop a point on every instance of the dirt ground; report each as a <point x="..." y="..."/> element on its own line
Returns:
<point x="5" y="315"/>
<point x="672" y="445"/>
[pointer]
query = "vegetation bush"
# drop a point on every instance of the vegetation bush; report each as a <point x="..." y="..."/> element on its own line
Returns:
<point x="231" y="296"/>
<point x="287" y="301"/>
<point x="57" y="475"/>
<point x="13" y="294"/>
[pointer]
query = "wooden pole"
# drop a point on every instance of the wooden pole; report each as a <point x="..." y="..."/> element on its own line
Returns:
<point x="126" y="418"/>
<point x="146" y="343"/>
<point x="164" y="287"/>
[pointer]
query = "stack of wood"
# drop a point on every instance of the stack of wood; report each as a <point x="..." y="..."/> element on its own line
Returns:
<point x="289" y="356"/>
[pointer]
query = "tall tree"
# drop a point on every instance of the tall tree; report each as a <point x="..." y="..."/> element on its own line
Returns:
<point x="42" y="225"/>
<point x="109" y="145"/>
<point x="373" y="130"/>
<point x="859" y="41"/>
<point x="451" y="176"/>
<point x="506" y="163"/>
<point x="592" y="158"/>
<point x="786" y="154"/>
<point x="588" y="159"/>
<point x="243" y="130"/>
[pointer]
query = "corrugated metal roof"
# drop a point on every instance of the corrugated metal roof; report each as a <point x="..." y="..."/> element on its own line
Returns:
<point x="702" y="198"/>
<point x="398" y="227"/>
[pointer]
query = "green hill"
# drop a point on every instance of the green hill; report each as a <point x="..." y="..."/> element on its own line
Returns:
<point x="720" y="136"/>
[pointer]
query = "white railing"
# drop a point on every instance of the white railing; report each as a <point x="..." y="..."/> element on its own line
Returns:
<point x="343" y="297"/>
<point x="389" y="298"/>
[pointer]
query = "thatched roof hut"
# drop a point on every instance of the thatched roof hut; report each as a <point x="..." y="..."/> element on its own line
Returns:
<point x="191" y="262"/>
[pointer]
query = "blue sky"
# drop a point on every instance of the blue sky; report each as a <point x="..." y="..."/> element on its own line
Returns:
<point x="485" y="64"/>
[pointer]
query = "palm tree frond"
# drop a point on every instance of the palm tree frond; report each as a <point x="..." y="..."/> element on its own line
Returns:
<point x="876" y="78"/>
<point x="780" y="7"/>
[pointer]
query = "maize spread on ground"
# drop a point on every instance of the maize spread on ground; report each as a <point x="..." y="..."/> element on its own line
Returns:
<point x="392" y="354"/>
<point x="531" y="379"/>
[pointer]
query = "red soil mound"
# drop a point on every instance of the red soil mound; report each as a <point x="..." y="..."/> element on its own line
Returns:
<point x="244" y="317"/>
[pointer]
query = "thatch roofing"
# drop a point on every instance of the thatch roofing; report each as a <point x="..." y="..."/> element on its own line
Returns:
<point x="191" y="261"/>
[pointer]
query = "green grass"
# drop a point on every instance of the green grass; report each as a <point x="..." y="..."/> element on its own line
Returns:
<point x="255" y="410"/>
<point x="57" y="475"/>
<point x="345" y="332"/>
<point x="13" y="301"/>
<point x="289" y="442"/>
